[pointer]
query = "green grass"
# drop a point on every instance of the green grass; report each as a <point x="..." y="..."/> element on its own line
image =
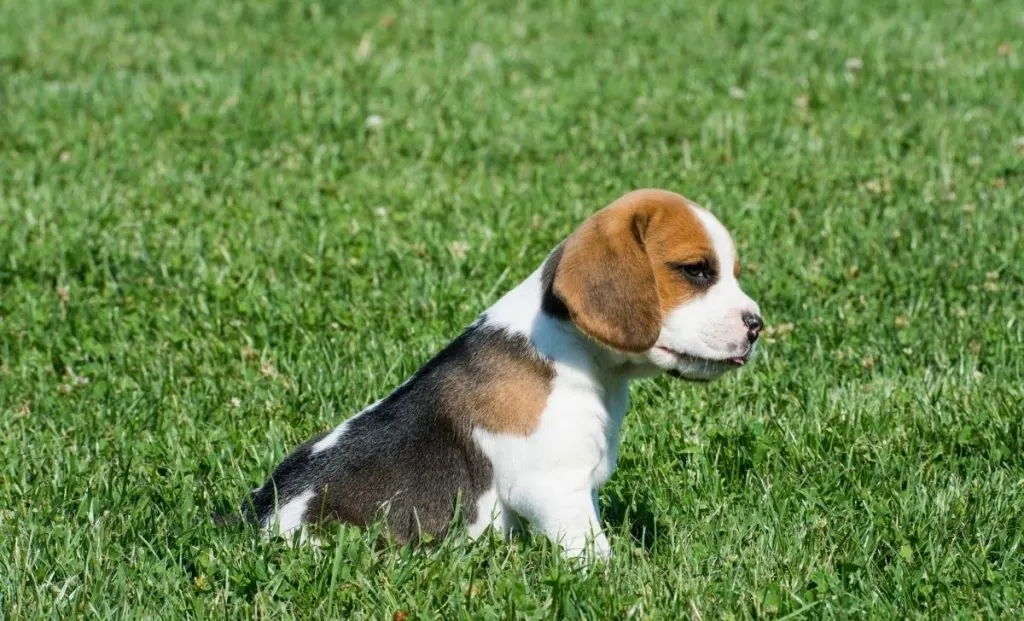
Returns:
<point x="206" y="256"/>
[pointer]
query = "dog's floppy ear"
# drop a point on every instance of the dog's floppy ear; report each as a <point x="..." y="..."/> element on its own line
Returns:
<point x="606" y="281"/>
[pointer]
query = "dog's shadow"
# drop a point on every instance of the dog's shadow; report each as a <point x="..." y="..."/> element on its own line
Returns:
<point x="632" y="515"/>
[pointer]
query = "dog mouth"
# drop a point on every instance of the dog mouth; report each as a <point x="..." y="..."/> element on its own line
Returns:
<point x="711" y="364"/>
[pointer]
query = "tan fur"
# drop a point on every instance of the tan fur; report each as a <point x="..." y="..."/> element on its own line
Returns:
<point x="514" y="404"/>
<point x="502" y="387"/>
<point x="614" y="274"/>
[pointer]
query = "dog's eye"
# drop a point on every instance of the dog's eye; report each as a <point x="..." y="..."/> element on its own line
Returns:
<point x="699" y="273"/>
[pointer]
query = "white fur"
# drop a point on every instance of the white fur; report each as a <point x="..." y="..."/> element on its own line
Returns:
<point x="289" y="516"/>
<point x="332" y="438"/>
<point x="490" y="511"/>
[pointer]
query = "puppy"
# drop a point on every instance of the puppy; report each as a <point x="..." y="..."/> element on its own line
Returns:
<point x="520" y="415"/>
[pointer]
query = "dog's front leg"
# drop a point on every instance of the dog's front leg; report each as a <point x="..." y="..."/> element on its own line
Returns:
<point x="571" y="520"/>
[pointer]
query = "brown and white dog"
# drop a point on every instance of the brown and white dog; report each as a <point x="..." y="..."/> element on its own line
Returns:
<point x="520" y="415"/>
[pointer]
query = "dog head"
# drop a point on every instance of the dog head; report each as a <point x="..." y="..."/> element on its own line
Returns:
<point x="655" y="277"/>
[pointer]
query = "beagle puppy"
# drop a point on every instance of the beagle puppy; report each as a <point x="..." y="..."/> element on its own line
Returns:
<point x="520" y="415"/>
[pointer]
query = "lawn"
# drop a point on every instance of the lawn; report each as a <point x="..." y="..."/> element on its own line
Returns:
<point x="225" y="227"/>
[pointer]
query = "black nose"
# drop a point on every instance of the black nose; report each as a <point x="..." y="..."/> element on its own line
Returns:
<point x="754" y="325"/>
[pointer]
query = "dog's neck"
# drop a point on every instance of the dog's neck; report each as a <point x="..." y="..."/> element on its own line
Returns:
<point x="520" y="311"/>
